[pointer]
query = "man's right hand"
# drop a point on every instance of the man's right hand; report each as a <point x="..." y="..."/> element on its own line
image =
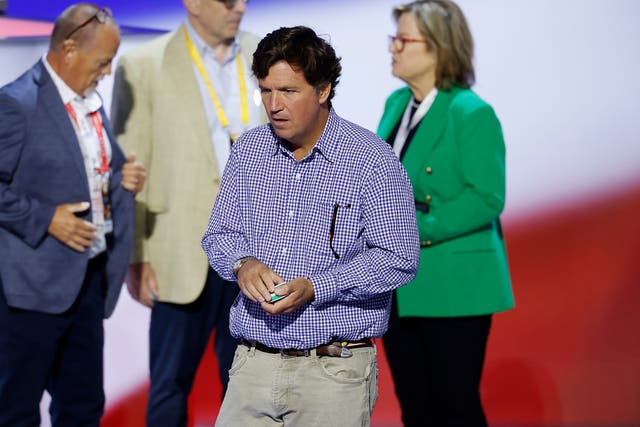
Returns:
<point x="142" y="284"/>
<point x="257" y="280"/>
<point x="74" y="232"/>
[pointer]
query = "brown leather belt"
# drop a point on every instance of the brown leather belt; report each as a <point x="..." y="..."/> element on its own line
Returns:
<point x="334" y="349"/>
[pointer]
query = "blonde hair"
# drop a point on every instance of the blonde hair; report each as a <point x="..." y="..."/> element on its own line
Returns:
<point x="443" y="25"/>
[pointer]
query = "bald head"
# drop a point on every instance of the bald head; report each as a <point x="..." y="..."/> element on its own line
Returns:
<point x="79" y="22"/>
<point x="84" y="42"/>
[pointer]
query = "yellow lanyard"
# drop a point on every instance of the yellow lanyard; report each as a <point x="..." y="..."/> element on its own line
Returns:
<point x="244" y="103"/>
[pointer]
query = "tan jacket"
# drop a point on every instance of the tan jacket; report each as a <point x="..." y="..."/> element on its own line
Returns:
<point x="157" y="113"/>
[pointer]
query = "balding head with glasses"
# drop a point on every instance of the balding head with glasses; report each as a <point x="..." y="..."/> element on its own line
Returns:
<point x="84" y="41"/>
<point x="78" y="22"/>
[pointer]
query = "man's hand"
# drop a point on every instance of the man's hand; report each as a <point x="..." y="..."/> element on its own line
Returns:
<point x="134" y="174"/>
<point x="257" y="280"/>
<point x="299" y="291"/>
<point x="142" y="284"/>
<point x="74" y="232"/>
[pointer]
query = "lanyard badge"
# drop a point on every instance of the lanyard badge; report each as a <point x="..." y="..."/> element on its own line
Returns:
<point x="103" y="173"/>
<point x="101" y="177"/>
<point x="106" y="201"/>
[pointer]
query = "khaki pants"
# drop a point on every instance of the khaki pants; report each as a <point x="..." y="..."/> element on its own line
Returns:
<point x="275" y="390"/>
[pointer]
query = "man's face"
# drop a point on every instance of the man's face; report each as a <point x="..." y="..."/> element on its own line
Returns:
<point x="296" y="110"/>
<point x="90" y="62"/>
<point x="219" y="22"/>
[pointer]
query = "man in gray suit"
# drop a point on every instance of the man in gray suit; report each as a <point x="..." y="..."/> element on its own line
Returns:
<point x="66" y="214"/>
<point x="178" y="102"/>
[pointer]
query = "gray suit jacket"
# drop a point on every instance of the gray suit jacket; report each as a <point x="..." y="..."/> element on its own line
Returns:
<point x="41" y="166"/>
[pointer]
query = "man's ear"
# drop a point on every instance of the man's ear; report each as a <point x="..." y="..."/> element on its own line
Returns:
<point x="324" y="92"/>
<point x="69" y="48"/>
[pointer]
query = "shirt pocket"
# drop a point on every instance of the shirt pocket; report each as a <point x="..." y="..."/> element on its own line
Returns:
<point x="337" y="228"/>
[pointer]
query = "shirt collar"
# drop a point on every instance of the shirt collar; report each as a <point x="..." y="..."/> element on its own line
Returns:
<point x="327" y="144"/>
<point x="207" y="51"/>
<point x="91" y="102"/>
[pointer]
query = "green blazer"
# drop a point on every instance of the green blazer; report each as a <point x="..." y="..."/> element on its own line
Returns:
<point x="456" y="163"/>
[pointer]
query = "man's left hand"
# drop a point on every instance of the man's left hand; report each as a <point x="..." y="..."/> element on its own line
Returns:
<point x="299" y="291"/>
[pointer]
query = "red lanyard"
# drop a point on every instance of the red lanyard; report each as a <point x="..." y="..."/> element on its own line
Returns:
<point x="96" y="120"/>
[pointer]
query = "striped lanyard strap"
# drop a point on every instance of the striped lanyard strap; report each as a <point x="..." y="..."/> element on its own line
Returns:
<point x="96" y="120"/>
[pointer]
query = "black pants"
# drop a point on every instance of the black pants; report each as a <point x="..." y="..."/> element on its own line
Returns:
<point x="436" y="364"/>
<point x="61" y="353"/>
<point x="178" y="336"/>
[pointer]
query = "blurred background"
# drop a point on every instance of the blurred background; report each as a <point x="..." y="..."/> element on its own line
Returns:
<point x="563" y="77"/>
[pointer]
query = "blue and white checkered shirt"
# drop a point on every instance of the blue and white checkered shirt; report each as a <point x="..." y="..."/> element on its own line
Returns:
<point x="280" y="211"/>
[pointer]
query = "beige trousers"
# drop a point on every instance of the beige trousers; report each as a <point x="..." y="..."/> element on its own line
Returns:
<point x="275" y="390"/>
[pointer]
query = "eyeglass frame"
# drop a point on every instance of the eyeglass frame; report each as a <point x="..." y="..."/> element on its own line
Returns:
<point x="101" y="16"/>
<point x="393" y="41"/>
<point x="230" y="4"/>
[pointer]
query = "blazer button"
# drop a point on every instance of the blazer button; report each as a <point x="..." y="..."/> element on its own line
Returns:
<point x="429" y="170"/>
<point x="427" y="199"/>
<point x="425" y="243"/>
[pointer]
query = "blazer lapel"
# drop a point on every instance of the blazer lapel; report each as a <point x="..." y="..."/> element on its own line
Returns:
<point x="178" y="63"/>
<point x="393" y="113"/>
<point x="53" y="104"/>
<point x="429" y="131"/>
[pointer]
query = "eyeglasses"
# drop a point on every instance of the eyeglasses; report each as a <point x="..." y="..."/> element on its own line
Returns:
<point x="398" y="42"/>
<point x="230" y="4"/>
<point x="101" y="16"/>
<point x="332" y="228"/>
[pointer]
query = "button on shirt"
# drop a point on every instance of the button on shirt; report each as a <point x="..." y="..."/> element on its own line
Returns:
<point x="280" y="211"/>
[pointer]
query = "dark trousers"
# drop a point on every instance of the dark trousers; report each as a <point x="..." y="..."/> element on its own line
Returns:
<point x="178" y="336"/>
<point x="61" y="353"/>
<point x="436" y="364"/>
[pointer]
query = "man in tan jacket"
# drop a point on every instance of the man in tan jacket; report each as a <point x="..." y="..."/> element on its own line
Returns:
<point x="179" y="101"/>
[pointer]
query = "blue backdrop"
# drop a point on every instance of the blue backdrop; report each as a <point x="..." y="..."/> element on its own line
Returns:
<point x="126" y="11"/>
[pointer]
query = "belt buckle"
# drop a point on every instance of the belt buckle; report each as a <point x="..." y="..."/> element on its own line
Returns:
<point x="344" y="351"/>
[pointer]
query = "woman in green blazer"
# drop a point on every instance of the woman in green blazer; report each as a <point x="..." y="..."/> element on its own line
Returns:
<point x="451" y="144"/>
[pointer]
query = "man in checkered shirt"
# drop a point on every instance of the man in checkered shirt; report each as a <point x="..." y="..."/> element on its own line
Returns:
<point x="323" y="207"/>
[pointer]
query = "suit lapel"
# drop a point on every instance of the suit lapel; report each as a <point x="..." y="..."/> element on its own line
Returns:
<point x="178" y="64"/>
<point x="393" y="113"/>
<point x="55" y="108"/>
<point x="429" y="132"/>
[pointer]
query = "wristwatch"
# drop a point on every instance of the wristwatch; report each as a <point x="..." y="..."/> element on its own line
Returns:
<point x="239" y="263"/>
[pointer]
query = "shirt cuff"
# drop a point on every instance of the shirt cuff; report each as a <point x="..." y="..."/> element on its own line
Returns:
<point x="325" y="288"/>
